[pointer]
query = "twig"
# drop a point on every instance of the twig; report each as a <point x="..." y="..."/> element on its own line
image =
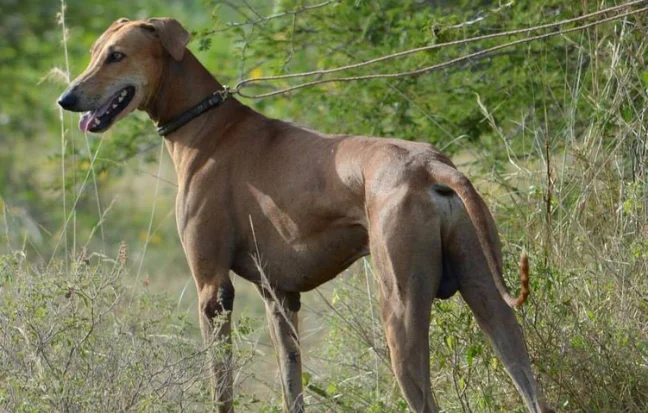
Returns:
<point x="76" y="201"/>
<point x="6" y="221"/>
<point x="272" y="17"/>
<point x="96" y="190"/>
<point x="62" y="120"/>
<point x="483" y="16"/>
<point x="150" y="226"/>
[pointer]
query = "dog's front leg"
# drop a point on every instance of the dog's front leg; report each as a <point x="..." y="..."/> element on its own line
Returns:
<point x="215" y="302"/>
<point x="208" y="256"/>
<point x="282" y="310"/>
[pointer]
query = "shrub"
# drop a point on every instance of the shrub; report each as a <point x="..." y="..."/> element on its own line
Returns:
<point x="81" y="342"/>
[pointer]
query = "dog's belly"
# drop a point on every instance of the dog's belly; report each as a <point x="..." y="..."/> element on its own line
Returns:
<point x="304" y="264"/>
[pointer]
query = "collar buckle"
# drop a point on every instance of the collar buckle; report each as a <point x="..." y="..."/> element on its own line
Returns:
<point x="224" y="93"/>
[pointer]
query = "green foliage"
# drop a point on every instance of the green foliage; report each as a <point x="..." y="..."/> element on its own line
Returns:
<point x="438" y="107"/>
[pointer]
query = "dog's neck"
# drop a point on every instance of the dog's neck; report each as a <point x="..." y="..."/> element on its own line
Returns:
<point x="183" y="84"/>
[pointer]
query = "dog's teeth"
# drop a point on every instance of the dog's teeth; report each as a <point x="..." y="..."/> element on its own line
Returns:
<point x="121" y="98"/>
<point x="114" y="105"/>
<point x="97" y="121"/>
<point x="123" y="93"/>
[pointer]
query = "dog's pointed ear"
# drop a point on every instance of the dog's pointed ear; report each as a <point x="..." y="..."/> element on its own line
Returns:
<point x="173" y="36"/>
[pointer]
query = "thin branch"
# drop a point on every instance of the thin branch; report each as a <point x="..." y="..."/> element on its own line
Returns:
<point x="264" y="19"/>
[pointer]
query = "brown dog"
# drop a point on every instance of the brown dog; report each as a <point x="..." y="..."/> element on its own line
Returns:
<point x="312" y="204"/>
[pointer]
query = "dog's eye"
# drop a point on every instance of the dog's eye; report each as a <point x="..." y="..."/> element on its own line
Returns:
<point x="115" y="57"/>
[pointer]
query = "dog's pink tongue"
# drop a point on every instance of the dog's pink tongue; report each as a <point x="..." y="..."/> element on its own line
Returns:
<point x="86" y="121"/>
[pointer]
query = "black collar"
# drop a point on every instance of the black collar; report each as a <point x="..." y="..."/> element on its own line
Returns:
<point x="214" y="100"/>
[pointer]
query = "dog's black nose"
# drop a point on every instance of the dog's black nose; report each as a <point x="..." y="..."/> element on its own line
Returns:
<point x="67" y="100"/>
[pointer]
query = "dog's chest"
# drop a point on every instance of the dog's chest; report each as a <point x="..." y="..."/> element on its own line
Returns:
<point x="304" y="263"/>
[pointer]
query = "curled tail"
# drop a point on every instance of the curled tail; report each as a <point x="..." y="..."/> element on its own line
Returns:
<point x="447" y="175"/>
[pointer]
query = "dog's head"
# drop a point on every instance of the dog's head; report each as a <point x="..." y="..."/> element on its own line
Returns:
<point x="125" y="70"/>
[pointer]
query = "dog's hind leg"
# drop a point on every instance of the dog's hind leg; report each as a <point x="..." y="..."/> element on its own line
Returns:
<point x="498" y="322"/>
<point x="406" y="249"/>
<point x="493" y="315"/>
<point x="282" y="312"/>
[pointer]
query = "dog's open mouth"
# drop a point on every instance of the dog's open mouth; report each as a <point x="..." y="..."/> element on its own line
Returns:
<point x="101" y="118"/>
